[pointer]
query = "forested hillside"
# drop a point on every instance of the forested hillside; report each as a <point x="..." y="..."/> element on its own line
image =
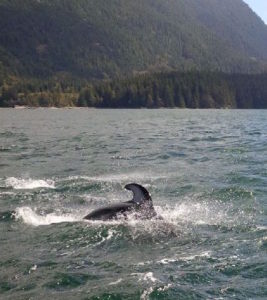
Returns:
<point x="182" y="90"/>
<point x="105" y="39"/>
<point x="170" y="90"/>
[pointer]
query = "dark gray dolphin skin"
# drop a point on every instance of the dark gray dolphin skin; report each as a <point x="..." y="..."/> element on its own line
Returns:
<point x="141" y="206"/>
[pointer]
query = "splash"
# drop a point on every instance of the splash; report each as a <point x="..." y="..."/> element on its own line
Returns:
<point x="30" y="217"/>
<point x="28" y="184"/>
<point x="210" y="212"/>
<point x="176" y="220"/>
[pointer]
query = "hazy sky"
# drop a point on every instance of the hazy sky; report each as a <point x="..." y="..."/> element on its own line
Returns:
<point x="260" y="7"/>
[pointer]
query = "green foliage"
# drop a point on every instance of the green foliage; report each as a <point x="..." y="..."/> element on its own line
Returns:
<point x="174" y="89"/>
<point x="55" y="92"/>
<point x="104" y="39"/>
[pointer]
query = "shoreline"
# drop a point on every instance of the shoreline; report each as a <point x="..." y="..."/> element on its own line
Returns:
<point x="126" y="108"/>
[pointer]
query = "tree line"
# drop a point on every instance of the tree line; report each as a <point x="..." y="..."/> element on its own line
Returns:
<point x="175" y="89"/>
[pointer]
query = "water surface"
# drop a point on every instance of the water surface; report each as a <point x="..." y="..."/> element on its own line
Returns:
<point x="205" y="169"/>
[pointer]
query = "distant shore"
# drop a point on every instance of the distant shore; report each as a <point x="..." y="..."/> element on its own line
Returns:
<point x="160" y="90"/>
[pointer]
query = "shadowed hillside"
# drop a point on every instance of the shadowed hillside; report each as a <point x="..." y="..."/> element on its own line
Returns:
<point x="103" y="39"/>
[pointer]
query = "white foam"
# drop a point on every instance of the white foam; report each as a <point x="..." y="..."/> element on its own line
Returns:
<point x="7" y="193"/>
<point x="134" y="176"/>
<point x="143" y="263"/>
<point x="165" y="287"/>
<point x="166" y="261"/>
<point x="32" y="269"/>
<point x="30" y="217"/>
<point x="116" y="282"/>
<point x="261" y="227"/>
<point x="208" y="213"/>
<point x="149" y="276"/>
<point x="28" y="184"/>
<point x="146" y="294"/>
<point x="111" y="233"/>
<point x="193" y="257"/>
<point x="262" y="241"/>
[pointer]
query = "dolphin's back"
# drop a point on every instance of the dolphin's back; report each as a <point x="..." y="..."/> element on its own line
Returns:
<point x="141" y="204"/>
<point x="109" y="212"/>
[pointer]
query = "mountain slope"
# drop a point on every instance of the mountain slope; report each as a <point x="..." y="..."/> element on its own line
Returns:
<point x="101" y="39"/>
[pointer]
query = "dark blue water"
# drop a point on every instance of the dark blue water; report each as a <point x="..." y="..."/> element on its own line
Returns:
<point x="207" y="174"/>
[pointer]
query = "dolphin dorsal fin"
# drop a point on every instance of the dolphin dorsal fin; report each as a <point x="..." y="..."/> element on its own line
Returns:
<point x="140" y="194"/>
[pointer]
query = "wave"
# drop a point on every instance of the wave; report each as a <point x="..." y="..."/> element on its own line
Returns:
<point x="120" y="177"/>
<point x="146" y="295"/>
<point x="28" y="184"/>
<point x="149" y="276"/>
<point x="165" y="261"/>
<point x="30" y="217"/>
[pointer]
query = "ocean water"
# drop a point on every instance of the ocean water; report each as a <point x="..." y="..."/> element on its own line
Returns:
<point x="205" y="169"/>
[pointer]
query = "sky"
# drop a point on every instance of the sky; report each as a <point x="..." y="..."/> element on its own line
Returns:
<point x="260" y="8"/>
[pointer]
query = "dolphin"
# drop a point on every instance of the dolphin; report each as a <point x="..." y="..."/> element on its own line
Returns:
<point x="141" y="206"/>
